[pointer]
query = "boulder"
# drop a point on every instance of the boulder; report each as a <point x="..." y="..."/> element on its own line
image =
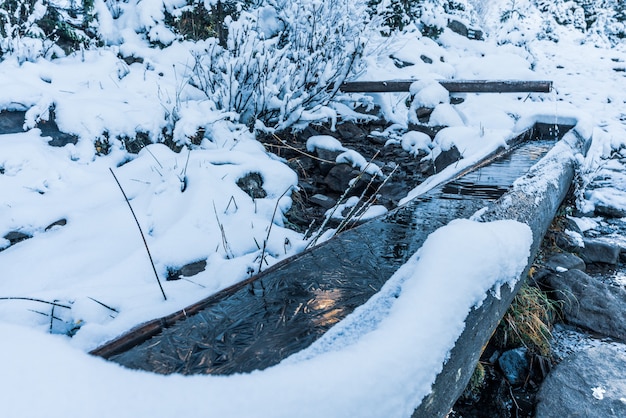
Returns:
<point x="589" y="383"/>
<point x="590" y="303"/>
<point x="599" y="251"/>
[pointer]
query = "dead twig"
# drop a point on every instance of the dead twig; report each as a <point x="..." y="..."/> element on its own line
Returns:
<point x="105" y="305"/>
<point x="60" y="305"/>
<point x="227" y="250"/>
<point x="145" y="243"/>
<point x="269" y="230"/>
<point x="291" y="147"/>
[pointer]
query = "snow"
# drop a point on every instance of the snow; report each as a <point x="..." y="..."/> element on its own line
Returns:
<point x="414" y="142"/>
<point x="334" y="377"/>
<point x="325" y="142"/>
<point x="190" y="207"/>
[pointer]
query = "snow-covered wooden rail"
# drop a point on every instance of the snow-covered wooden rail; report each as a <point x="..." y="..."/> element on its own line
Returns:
<point x="453" y="86"/>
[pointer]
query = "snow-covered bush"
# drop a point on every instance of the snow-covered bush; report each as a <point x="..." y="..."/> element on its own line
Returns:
<point x="603" y="20"/>
<point x="34" y="28"/>
<point x="395" y="14"/>
<point x="283" y="62"/>
<point x="205" y="19"/>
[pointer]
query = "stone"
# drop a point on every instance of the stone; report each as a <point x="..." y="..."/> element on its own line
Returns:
<point x="11" y="122"/>
<point x="351" y="131"/>
<point x="609" y="211"/>
<point x="339" y="177"/>
<point x="423" y="114"/>
<point x="559" y="262"/>
<point x="252" y="184"/>
<point x="60" y="222"/>
<point x="590" y="303"/>
<point x="50" y="128"/>
<point x="328" y="158"/>
<point x="514" y="365"/>
<point x="323" y="201"/>
<point x="589" y="383"/>
<point x="425" y="59"/>
<point x="463" y="30"/>
<point x="187" y="270"/>
<point x="458" y="27"/>
<point x="568" y="241"/>
<point x="16" y="236"/>
<point x="599" y="251"/>
<point x="400" y="63"/>
<point x="446" y="158"/>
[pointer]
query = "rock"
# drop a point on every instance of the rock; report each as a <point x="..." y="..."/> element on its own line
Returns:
<point x="461" y="29"/>
<point x="599" y="251"/>
<point x="568" y="241"/>
<point x="609" y="211"/>
<point x="187" y="270"/>
<point x="590" y="303"/>
<point x="590" y="383"/>
<point x="60" y="222"/>
<point x="351" y="131"/>
<point x="16" y="236"/>
<point x="50" y="128"/>
<point x="446" y="158"/>
<point x="565" y="261"/>
<point x="329" y="158"/>
<point x="458" y="27"/>
<point x="423" y="114"/>
<point x="339" y="177"/>
<point x="455" y="100"/>
<point x="323" y="201"/>
<point x="400" y="63"/>
<point x="514" y="365"/>
<point x="11" y="122"/>
<point x="252" y="184"/>
<point x="425" y="59"/>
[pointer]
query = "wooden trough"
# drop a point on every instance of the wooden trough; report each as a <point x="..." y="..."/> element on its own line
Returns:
<point x="257" y="323"/>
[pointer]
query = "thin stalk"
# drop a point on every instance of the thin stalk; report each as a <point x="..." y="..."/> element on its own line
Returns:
<point x="105" y="305"/>
<point x="369" y="202"/>
<point x="300" y="151"/>
<point x="227" y="250"/>
<point x="37" y="300"/>
<point x="269" y="230"/>
<point x="143" y="237"/>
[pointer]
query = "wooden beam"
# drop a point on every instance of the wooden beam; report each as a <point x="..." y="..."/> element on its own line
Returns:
<point x="453" y="86"/>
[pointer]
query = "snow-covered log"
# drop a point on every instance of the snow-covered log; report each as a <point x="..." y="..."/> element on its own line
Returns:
<point x="534" y="200"/>
<point x="453" y="86"/>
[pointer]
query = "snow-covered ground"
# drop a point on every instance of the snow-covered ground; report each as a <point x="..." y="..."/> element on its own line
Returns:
<point x="190" y="208"/>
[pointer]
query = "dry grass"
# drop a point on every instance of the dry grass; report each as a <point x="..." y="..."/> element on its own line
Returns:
<point x="528" y="321"/>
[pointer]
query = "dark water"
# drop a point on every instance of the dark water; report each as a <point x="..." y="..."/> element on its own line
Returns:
<point x="257" y="323"/>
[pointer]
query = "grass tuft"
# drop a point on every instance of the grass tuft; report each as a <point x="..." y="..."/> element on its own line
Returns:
<point x="528" y="321"/>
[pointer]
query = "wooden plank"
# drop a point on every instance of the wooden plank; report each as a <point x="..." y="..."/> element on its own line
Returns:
<point x="453" y="86"/>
